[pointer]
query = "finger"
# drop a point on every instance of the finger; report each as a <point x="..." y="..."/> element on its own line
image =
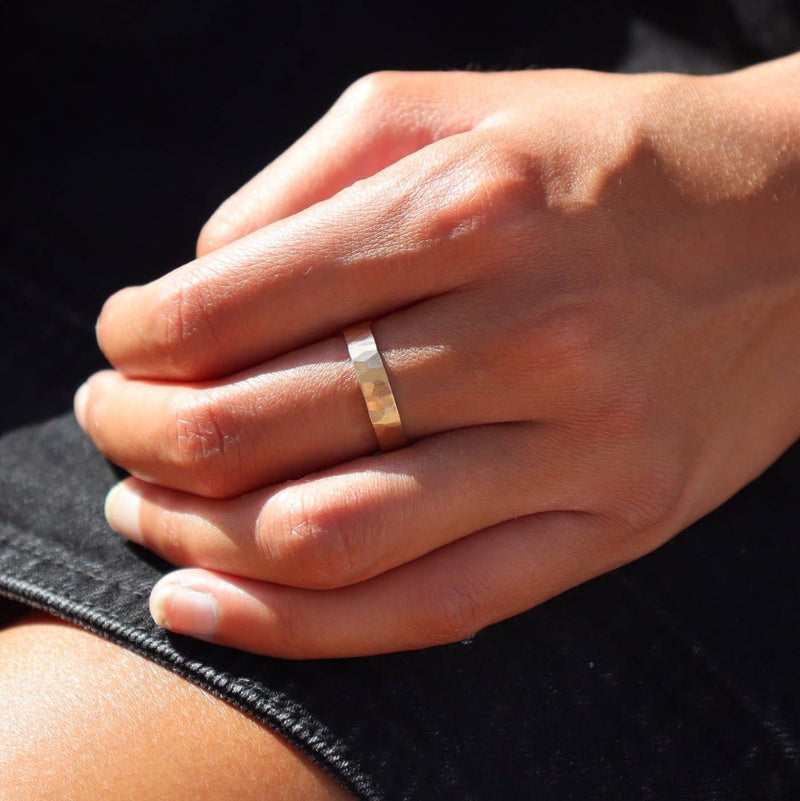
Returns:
<point x="361" y="519"/>
<point x="380" y="119"/>
<point x="443" y="597"/>
<point x="432" y="222"/>
<point x="304" y="411"/>
<point x="300" y="413"/>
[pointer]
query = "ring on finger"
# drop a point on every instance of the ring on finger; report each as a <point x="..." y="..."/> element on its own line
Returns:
<point x="375" y="387"/>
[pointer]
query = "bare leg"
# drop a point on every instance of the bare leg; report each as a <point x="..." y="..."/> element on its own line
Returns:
<point x="85" y="719"/>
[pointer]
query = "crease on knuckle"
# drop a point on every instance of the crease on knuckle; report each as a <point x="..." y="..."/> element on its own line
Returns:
<point x="509" y="177"/>
<point x="173" y="545"/>
<point x="453" y="613"/>
<point x="570" y="341"/>
<point x="647" y="509"/>
<point x="186" y="325"/>
<point x="308" y="539"/>
<point x="565" y="346"/>
<point x="205" y="443"/>
<point x="490" y="189"/>
<point x="288" y="637"/>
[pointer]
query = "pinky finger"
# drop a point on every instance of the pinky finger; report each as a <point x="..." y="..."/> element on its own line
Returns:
<point x="443" y="597"/>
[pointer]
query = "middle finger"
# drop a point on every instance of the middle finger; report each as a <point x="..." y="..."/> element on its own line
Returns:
<point x="304" y="411"/>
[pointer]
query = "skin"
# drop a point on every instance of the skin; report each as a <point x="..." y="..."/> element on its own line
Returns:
<point x="100" y="722"/>
<point x="586" y="289"/>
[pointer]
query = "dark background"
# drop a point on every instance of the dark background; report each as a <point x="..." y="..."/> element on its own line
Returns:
<point x="129" y="122"/>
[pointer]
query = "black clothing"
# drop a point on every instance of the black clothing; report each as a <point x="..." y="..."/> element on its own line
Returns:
<point x="673" y="678"/>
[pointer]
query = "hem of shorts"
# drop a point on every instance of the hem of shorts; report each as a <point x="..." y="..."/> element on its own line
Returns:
<point x="312" y="740"/>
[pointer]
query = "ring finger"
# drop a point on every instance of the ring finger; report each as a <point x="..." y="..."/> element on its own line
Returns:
<point x="304" y="411"/>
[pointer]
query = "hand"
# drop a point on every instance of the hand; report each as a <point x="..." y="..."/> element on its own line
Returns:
<point x="585" y="290"/>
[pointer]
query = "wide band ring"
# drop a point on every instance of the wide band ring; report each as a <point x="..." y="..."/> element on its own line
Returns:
<point x="375" y="387"/>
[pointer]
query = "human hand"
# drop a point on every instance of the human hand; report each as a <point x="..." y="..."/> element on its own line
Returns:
<point x="585" y="289"/>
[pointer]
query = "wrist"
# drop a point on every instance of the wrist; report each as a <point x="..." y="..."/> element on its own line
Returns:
<point x="729" y="147"/>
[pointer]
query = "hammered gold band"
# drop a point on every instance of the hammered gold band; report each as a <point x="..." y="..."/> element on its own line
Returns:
<point x="375" y="387"/>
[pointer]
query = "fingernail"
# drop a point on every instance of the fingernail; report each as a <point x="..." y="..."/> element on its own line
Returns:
<point x="80" y="403"/>
<point x="184" y="610"/>
<point x="122" y="511"/>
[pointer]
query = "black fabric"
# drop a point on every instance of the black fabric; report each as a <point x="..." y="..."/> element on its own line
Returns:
<point x="673" y="678"/>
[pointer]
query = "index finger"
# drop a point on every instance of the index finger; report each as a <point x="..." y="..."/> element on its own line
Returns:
<point x="384" y="243"/>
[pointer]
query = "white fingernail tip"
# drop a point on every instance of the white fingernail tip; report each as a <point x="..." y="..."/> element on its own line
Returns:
<point x="80" y="404"/>
<point x="122" y="508"/>
<point x="184" y="610"/>
<point x="157" y="606"/>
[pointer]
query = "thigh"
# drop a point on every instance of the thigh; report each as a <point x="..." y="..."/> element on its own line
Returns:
<point x="85" y="719"/>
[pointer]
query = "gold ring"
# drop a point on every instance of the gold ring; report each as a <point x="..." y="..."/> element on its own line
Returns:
<point x="375" y="387"/>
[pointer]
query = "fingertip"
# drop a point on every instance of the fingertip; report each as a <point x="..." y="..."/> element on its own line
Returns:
<point x="107" y="321"/>
<point x="88" y="397"/>
<point x="112" y="329"/>
<point x="80" y="404"/>
<point x="122" y="510"/>
<point x="158" y="611"/>
<point x="184" y="610"/>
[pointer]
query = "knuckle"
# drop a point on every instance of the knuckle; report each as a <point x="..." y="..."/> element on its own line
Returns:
<point x="564" y="345"/>
<point x="663" y="487"/>
<point x="570" y="340"/>
<point x="619" y="401"/>
<point x="507" y="175"/>
<point x="204" y="443"/>
<point x="452" y="613"/>
<point x="174" y="546"/>
<point x="370" y="94"/>
<point x="218" y="231"/>
<point x="309" y="539"/>
<point x="184" y="312"/>
<point x="486" y="189"/>
<point x="648" y="506"/>
<point x="627" y="412"/>
<point x="288" y="636"/>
